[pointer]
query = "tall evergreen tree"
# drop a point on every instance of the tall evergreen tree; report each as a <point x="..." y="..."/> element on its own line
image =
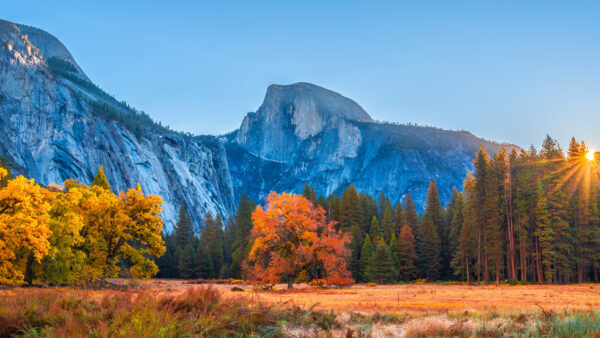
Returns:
<point x="350" y="210"/>
<point x="186" y="264"/>
<point x="204" y="267"/>
<point x="211" y="241"/>
<point x="100" y="179"/>
<point x="366" y="254"/>
<point x="399" y="219"/>
<point x="543" y="238"/>
<point x="243" y="222"/>
<point x="387" y="223"/>
<point x="395" y="253"/>
<point x="381" y="269"/>
<point x="431" y="260"/>
<point x="375" y="230"/>
<point x="407" y="255"/>
<point x="355" y="248"/>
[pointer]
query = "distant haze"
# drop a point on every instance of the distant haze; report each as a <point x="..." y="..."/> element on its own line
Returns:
<point x="508" y="71"/>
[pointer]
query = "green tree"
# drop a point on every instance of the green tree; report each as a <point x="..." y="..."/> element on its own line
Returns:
<point x="431" y="260"/>
<point x="350" y="210"/>
<point x="366" y="253"/>
<point x="241" y="241"/>
<point x="186" y="265"/>
<point x="395" y="253"/>
<point x="100" y="179"/>
<point x="375" y="230"/>
<point x="407" y="255"/>
<point x="398" y="219"/>
<point x="204" y="265"/>
<point x="381" y="269"/>
<point x="544" y="235"/>
<point x="387" y="223"/>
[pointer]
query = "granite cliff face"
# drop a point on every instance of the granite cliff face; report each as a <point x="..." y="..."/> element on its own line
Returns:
<point x="55" y="124"/>
<point x="305" y="133"/>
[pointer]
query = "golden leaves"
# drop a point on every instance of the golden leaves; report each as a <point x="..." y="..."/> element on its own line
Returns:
<point x="76" y="232"/>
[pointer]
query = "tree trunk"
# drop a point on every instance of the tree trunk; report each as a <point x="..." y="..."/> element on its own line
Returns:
<point x="290" y="282"/>
<point x="523" y="257"/>
<point x="486" y="271"/>
<point x="467" y="265"/>
<point x="29" y="273"/>
<point x="479" y="258"/>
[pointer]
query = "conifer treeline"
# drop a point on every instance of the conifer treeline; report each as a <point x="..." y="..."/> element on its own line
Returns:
<point x="525" y="216"/>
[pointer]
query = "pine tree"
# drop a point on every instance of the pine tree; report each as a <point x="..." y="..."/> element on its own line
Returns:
<point x="350" y="210"/>
<point x="204" y="264"/>
<point x="355" y="248"/>
<point x="399" y="220"/>
<point x="167" y="263"/>
<point x="381" y="269"/>
<point x="455" y="221"/>
<point x="383" y="203"/>
<point x="243" y="222"/>
<point x="464" y="223"/>
<point x="183" y="235"/>
<point x="100" y="179"/>
<point x="407" y="255"/>
<point x="211" y="240"/>
<point x="431" y="260"/>
<point x="369" y="210"/>
<point x="387" y="223"/>
<point x="395" y="253"/>
<point x="375" y="230"/>
<point x="186" y="265"/>
<point x="544" y="235"/>
<point x="309" y="193"/>
<point x="183" y="231"/>
<point x="434" y="211"/>
<point x="366" y="253"/>
<point x="228" y="238"/>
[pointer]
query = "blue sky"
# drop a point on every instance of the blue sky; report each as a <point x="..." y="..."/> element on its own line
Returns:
<point x="504" y="70"/>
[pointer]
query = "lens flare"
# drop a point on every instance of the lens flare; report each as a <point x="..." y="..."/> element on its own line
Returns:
<point x="590" y="155"/>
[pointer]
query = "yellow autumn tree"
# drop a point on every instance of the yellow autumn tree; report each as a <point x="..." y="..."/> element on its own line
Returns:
<point x="65" y="259"/>
<point x="24" y="229"/>
<point x="127" y="227"/>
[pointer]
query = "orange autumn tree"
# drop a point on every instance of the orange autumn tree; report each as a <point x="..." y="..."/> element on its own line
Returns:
<point x="291" y="235"/>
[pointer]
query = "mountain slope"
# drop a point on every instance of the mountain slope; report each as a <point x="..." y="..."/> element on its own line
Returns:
<point x="55" y="125"/>
<point x="274" y="151"/>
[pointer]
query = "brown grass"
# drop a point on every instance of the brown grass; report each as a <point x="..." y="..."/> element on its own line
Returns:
<point x="419" y="299"/>
<point x="169" y="308"/>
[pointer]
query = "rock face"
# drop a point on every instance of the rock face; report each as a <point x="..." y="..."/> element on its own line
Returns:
<point x="55" y="124"/>
<point x="50" y="130"/>
<point x="305" y="133"/>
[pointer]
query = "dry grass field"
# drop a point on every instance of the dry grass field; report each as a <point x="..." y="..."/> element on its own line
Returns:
<point x="415" y="299"/>
<point x="167" y="308"/>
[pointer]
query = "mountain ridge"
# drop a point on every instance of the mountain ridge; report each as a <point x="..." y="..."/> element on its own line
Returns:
<point x="56" y="124"/>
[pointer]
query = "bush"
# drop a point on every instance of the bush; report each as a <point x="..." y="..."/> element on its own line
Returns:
<point x="318" y="282"/>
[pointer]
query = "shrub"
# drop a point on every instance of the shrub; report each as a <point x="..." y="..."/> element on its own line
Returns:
<point x="318" y="282"/>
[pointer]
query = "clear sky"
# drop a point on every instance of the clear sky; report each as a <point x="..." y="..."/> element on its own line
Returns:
<point x="504" y="70"/>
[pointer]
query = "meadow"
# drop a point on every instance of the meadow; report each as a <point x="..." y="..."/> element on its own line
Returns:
<point x="170" y="308"/>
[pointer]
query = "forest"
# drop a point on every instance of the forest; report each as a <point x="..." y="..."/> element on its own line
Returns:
<point x="522" y="217"/>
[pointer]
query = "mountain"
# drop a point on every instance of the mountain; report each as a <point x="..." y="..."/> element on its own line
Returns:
<point x="55" y="124"/>
<point x="305" y="133"/>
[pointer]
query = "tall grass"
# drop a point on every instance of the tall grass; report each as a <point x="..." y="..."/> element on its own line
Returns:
<point x="198" y="311"/>
<point x="205" y="312"/>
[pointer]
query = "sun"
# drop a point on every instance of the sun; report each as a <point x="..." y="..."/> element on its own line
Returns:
<point x="590" y="155"/>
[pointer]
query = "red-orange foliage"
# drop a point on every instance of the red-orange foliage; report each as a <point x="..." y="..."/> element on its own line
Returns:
<point x="290" y="235"/>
